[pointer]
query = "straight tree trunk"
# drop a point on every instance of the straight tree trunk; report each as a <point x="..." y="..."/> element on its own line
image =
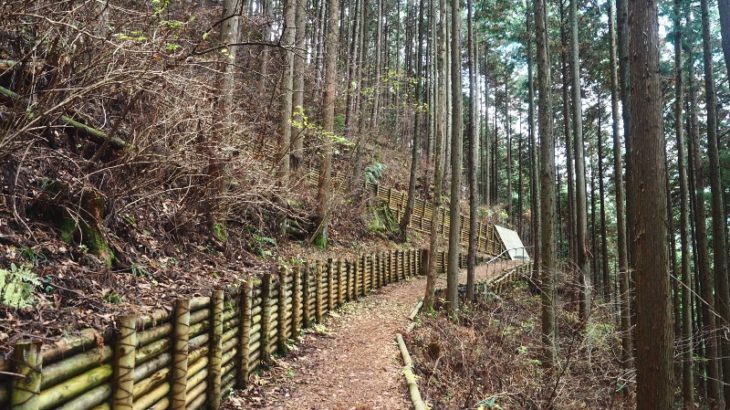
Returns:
<point x="265" y="53"/>
<point x="534" y="160"/>
<point x="568" y="140"/>
<point x="378" y="62"/>
<point x="706" y="281"/>
<point x="719" y="223"/>
<point x="288" y="38"/>
<point x="473" y="149"/>
<point x="547" y="188"/>
<point x="724" y="7"/>
<point x="452" y="280"/>
<point x="410" y="202"/>
<point x="602" y="204"/>
<point x="438" y="166"/>
<point x="584" y="262"/>
<point x="328" y="123"/>
<point x="299" y="66"/>
<point x="352" y="85"/>
<point x="623" y="273"/>
<point x="686" y="319"/>
<point x="655" y="342"/>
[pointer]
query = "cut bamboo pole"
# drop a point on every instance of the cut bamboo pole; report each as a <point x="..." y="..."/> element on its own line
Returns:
<point x="415" y="394"/>
<point x="306" y="296"/>
<point x="265" y="353"/>
<point x="340" y="282"/>
<point x="383" y="272"/>
<point x="180" y="353"/>
<point x="282" y="311"/>
<point x="371" y="272"/>
<point x="123" y="397"/>
<point x="296" y="302"/>
<point x="364" y="274"/>
<point x="215" y="349"/>
<point x="378" y="282"/>
<point x="355" y="285"/>
<point x="26" y="389"/>
<point x="330" y="285"/>
<point x="319" y="298"/>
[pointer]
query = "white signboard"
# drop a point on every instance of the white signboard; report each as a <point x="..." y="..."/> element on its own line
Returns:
<point x="512" y="243"/>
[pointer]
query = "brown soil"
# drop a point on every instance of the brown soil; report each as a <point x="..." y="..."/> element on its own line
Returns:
<point x="352" y="362"/>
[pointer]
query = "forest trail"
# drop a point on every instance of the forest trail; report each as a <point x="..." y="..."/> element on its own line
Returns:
<point x="351" y="363"/>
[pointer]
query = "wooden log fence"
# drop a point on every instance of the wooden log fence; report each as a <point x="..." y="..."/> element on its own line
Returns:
<point x="488" y="242"/>
<point x="192" y="354"/>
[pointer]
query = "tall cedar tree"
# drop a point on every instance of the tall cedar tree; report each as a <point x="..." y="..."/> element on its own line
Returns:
<point x="472" y="160"/>
<point x="547" y="187"/>
<point x="584" y="263"/>
<point x="438" y="165"/>
<point x="623" y="269"/>
<point x="686" y="319"/>
<point x="452" y="278"/>
<point x="654" y="342"/>
<point x="719" y="224"/>
<point x="328" y="124"/>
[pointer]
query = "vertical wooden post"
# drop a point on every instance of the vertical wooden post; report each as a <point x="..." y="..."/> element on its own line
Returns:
<point x="180" y="350"/>
<point x="123" y="397"/>
<point x="26" y="389"/>
<point x="372" y="274"/>
<point x="355" y="287"/>
<point x="264" y="352"/>
<point x="381" y="268"/>
<point x="281" y="333"/>
<point x="364" y="266"/>
<point x="318" y="301"/>
<point x="341" y="282"/>
<point x="244" y="334"/>
<point x="306" y="296"/>
<point x="296" y="302"/>
<point x="330" y="284"/>
<point x="215" y="349"/>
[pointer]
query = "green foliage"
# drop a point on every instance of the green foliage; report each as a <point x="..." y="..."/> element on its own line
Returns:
<point x="171" y="47"/>
<point x="67" y="226"/>
<point x="320" y="241"/>
<point x="220" y="232"/>
<point x="139" y="270"/>
<point x="374" y="172"/>
<point x="301" y="122"/>
<point x="17" y="286"/>
<point x="32" y="256"/>
<point x="113" y="297"/>
<point x="489" y="403"/>
<point x="261" y="245"/>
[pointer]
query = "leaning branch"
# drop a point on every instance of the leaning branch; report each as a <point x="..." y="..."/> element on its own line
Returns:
<point x="70" y="122"/>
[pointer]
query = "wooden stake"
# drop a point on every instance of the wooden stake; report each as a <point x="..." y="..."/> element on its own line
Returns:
<point x="341" y="282"/>
<point x="355" y="287"/>
<point x="179" y="376"/>
<point x="319" y="297"/>
<point x="281" y="323"/>
<point x="123" y="396"/>
<point x="296" y="302"/>
<point x="306" y="279"/>
<point x="26" y="388"/>
<point x="330" y="285"/>
<point x="215" y="349"/>
<point x="244" y="334"/>
<point x="265" y="354"/>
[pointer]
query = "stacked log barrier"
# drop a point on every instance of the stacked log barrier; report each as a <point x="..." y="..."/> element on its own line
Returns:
<point x="192" y="354"/>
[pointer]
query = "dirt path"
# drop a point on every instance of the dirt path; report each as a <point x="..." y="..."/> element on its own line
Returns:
<point x="352" y="362"/>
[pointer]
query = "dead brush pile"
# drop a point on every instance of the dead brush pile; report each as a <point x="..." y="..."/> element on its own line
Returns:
<point x="491" y="359"/>
<point x="121" y="180"/>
